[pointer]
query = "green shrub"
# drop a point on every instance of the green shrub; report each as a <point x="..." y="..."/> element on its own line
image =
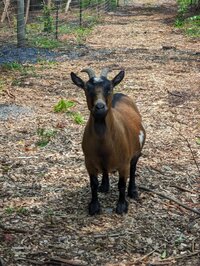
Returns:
<point x="63" y="106"/>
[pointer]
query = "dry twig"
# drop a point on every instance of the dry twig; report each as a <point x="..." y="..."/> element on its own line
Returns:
<point x="182" y="256"/>
<point x="147" y="255"/>
<point x="9" y="229"/>
<point x="169" y="198"/>
<point x="188" y="145"/>
<point x="185" y="189"/>
<point x="61" y="261"/>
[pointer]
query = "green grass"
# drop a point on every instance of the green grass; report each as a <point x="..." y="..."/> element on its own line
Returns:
<point x="80" y="33"/>
<point x="2" y="85"/>
<point x="37" y="37"/>
<point x="18" y="67"/>
<point x="191" y="25"/>
<point x="13" y="66"/>
<point x="10" y="210"/>
<point x="48" y="42"/>
<point x="185" y="21"/>
<point x="45" y="136"/>
<point x="19" y="210"/>
<point x="34" y="28"/>
<point x="17" y="73"/>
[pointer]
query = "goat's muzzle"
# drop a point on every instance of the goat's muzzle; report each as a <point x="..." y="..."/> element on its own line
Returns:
<point x="100" y="109"/>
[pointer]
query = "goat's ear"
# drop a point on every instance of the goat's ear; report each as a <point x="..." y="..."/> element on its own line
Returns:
<point x="117" y="79"/>
<point x="77" y="81"/>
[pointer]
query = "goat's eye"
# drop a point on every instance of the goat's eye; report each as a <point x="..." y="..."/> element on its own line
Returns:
<point x="90" y="92"/>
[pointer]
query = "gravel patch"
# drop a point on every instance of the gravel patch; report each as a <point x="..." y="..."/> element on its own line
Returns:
<point x="13" y="111"/>
<point x="24" y="55"/>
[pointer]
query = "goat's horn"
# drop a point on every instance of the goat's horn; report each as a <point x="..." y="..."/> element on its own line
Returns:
<point x="104" y="72"/>
<point x="90" y="72"/>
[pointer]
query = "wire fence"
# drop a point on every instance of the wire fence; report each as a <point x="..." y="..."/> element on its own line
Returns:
<point x="49" y="23"/>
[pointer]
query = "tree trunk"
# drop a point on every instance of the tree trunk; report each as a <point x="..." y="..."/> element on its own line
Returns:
<point x="67" y="6"/>
<point x="27" y="10"/>
<point x="20" y="24"/>
<point x="49" y="3"/>
<point x="5" y="11"/>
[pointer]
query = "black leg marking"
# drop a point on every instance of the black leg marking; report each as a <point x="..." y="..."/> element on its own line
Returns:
<point x="94" y="206"/>
<point x="105" y="186"/>
<point x="122" y="205"/>
<point x="132" y="188"/>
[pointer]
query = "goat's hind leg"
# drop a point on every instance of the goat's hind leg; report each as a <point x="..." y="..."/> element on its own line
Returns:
<point x="105" y="186"/>
<point x="132" y="188"/>
<point x="122" y="204"/>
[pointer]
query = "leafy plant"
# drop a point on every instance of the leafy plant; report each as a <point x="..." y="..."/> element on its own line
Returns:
<point x="50" y="212"/>
<point x="45" y="135"/>
<point x="179" y="239"/>
<point x="179" y="23"/>
<point x="10" y="210"/>
<point x="81" y="34"/>
<point x="48" y="19"/>
<point x="22" y="210"/>
<point x="34" y="28"/>
<point x="78" y="118"/>
<point x="198" y="140"/>
<point x="63" y="106"/>
<point x="163" y="254"/>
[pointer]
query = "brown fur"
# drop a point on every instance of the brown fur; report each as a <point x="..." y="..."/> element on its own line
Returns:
<point x="111" y="138"/>
<point x="120" y="143"/>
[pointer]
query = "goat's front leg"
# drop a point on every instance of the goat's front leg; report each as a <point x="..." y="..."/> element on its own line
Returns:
<point x="94" y="206"/>
<point x="105" y="186"/>
<point x="122" y="204"/>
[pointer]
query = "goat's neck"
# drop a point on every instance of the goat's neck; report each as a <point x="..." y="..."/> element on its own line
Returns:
<point x="102" y="126"/>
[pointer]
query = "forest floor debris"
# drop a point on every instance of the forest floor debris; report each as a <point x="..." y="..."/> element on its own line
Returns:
<point x="44" y="189"/>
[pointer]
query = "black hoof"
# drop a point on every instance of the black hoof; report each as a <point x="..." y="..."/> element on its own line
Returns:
<point x="94" y="208"/>
<point x="133" y="194"/>
<point x="122" y="207"/>
<point x="103" y="189"/>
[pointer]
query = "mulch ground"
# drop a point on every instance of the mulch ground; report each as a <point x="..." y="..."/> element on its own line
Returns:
<point x="44" y="192"/>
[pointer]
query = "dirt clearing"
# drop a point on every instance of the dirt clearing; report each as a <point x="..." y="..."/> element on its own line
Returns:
<point x="44" y="191"/>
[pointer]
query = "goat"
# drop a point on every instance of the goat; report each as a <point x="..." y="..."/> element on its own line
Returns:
<point x="113" y="137"/>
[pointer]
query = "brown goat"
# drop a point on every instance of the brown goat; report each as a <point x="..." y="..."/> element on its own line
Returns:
<point x="113" y="137"/>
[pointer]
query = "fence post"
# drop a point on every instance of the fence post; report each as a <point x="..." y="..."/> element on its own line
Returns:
<point x="81" y="12"/>
<point x="20" y="24"/>
<point x="57" y="9"/>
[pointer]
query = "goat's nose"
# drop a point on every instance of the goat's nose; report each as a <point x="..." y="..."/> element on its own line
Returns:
<point x="99" y="106"/>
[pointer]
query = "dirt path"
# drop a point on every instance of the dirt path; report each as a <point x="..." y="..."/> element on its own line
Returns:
<point x="45" y="191"/>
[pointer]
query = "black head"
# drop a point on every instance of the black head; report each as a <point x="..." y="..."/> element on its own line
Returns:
<point x="98" y="90"/>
